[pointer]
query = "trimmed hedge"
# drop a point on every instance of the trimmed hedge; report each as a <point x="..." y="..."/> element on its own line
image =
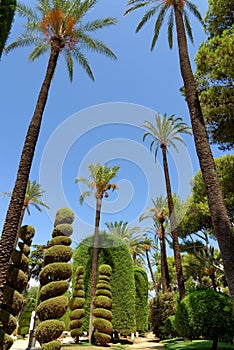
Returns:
<point x="122" y="279"/>
<point x="141" y="300"/>
<point x="25" y="317"/>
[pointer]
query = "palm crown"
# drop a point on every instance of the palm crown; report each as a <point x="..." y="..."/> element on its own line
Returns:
<point x="100" y="175"/>
<point x="165" y="131"/>
<point x="63" y="21"/>
<point x="161" y="7"/>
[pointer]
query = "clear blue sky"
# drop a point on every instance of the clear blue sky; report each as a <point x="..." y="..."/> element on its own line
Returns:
<point x="85" y="122"/>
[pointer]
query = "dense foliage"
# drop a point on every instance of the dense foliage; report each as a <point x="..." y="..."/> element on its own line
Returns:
<point x="7" y="10"/>
<point x="141" y="299"/>
<point x="205" y="313"/>
<point x="77" y="305"/>
<point x="53" y="279"/>
<point x="102" y="307"/>
<point x="115" y="254"/>
<point x="17" y="280"/>
<point x="25" y="317"/>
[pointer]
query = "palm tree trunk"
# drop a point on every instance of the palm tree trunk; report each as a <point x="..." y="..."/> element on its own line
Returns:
<point x="94" y="262"/>
<point x="151" y="271"/>
<point x="218" y="212"/>
<point x="174" y="233"/>
<point x="164" y="265"/>
<point x="10" y="228"/>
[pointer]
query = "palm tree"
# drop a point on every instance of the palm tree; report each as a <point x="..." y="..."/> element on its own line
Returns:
<point x="132" y="237"/>
<point x="159" y="214"/>
<point x="165" y="133"/>
<point x="57" y="26"/>
<point x="148" y="244"/>
<point x="218" y="211"/>
<point x="100" y="175"/>
<point x="33" y="195"/>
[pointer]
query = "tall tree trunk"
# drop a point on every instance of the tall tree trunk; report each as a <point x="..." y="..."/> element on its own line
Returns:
<point x="94" y="262"/>
<point x="174" y="233"/>
<point x="218" y="211"/>
<point x="151" y="271"/>
<point x="10" y="228"/>
<point x="164" y="265"/>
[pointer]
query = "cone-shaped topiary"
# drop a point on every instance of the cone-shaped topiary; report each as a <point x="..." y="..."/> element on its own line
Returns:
<point x="25" y="317"/>
<point x="103" y="304"/>
<point x="54" y="283"/>
<point x="17" y="280"/>
<point x="77" y="305"/>
<point x="141" y="299"/>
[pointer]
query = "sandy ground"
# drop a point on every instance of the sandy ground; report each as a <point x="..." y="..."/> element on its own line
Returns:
<point x="146" y="343"/>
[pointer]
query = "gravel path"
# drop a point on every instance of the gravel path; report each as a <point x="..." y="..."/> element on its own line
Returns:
<point x="146" y="343"/>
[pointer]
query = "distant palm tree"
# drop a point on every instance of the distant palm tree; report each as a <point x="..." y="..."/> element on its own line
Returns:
<point x="99" y="183"/>
<point x="60" y="27"/>
<point x="132" y="237"/>
<point x="159" y="214"/>
<point x="148" y="245"/>
<point x="178" y="14"/>
<point x="165" y="132"/>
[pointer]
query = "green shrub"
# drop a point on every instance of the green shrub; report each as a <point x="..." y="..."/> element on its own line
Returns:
<point x="77" y="313"/>
<point x="102" y="338"/>
<point x="19" y="260"/>
<point x="103" y="313"/>
<point x="169" y="327"/>
<point x="205" y="312"/>
<point x="62" y="230"/>
<point x="24" y="248"/>
<point x="76" y="333"/>
<point x="57" y="253"/>
<point x="60" y="240"/>
<point x="64" y="216"/>
<point x="7" y="321"/>
<point x="52" y="308"/>
<point x="105" y="292"/>
<point x="17" y="279"/>
<point x="141" y="299"/>
<point x="53" y="289"/>
<point x="13" y="301"/>
<point x="25" y="317"/>
<point x="53" y="345"/>
<point x="77" y="303"/>
<point x="49" y="330"/>
<point x="55" y="272"/>
<point x="26" y="233"/>
<point x="103" y="302"/>
<point x="5" y="340"/>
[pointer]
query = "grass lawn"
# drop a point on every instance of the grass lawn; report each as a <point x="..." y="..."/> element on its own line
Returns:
<point x="87" y="346"/>
<point x="175" y="344"/>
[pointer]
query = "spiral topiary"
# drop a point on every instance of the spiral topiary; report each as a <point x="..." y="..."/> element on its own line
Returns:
<point x="102" y="307"/>
<point x="77" y="305"/>
<point x="17" y="280"/>
<point x="54" y="279"/>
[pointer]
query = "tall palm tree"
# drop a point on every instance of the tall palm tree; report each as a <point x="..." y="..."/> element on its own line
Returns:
<point x="159" y="214"/>
<point x="132" y="237"/>
<point x="165" y="133"/>
<point x="100" y="177"/>
<point x="61" y="27"/>
<point x="218" y="211"/>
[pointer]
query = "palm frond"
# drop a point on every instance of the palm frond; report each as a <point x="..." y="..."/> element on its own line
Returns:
<point x="69" y="63"/>
<point x="87" y="182"/>
<point x="25" y="11"/>
<point x="146" y="17"/>
<point x="193" y="8"/>
<point x="137" y="5"/>
<point x="80" y="57"/>
<point x="188" y="26"/>
<point x="158" y="25"/>
<point x="97" y="24"/>
<point x="170" y="29"/>
<point x="22" y="41"/>
<point x="39" y="50"/>
<point x="84" y="195"/>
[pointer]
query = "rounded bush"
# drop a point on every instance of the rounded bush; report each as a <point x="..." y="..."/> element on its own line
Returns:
<point x="103" y="302"/>
<point x="20" y="260"/>
<point x="12" y="300"/>
<point x="24" y="248"/>
<point x="53" y="289"/>
<point x="76" y="332"/>
<point x="104" y="279"/>
<point x="60" y="240"/>
<point x="102" y="338"/>
<point x="7" y="321"/>
<point x="52" y="308"/>
<point x="5" y="340"/>
<point x="49" y="330"/>
<point x="26" y="233"/>
<point x="64" y="215"/>
<point x="53" y="345"/>
<point x="105" y="270"/>
<point x="57" y="253"/>
<point x="77" y="303"/>
<point x="17" y="279"/>
<point x="103" y="325"/>
<point x="55" y="272"/>
<point x="77" y="314"/>
<point x="62" y="230"/>
<point x="75" y="323"/>
<point x="104" y="292"/>
<point x="103" y="313"/>
<point x="103" y="286"/>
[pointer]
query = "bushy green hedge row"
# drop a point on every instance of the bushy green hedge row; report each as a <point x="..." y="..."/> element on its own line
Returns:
<point x="141" y="299"/>
<point x="122" y="279"/>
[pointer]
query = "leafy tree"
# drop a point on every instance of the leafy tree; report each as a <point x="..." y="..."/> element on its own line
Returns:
<point x="164" y="133"/>
<point x="100" y="177"/>
<point x="115" y="254"/>
<point x="103" y="305"/>
<point x="54" y="281"/>
<point x="141" y="299"/>
<point x="7" y="10"/>
<point x="130" y="236"/>
<point x="215" y="73"/>
<point x="59" y="27"/>
<point x="36" y="259"/>
<point x="17" y="280"/>
<point x="207" y="313"/>
<point x="159" y="214"/>
<point x="77" y="305"/>
<point x="148" y="244"/>
<point x="177" y="12"/>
